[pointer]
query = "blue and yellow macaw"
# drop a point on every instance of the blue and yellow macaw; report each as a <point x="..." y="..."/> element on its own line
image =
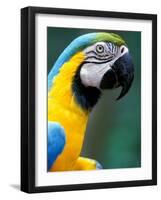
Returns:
<point x="91" y="63"/>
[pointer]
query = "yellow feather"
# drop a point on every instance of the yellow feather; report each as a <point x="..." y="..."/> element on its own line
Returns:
<point x="63" y="108"/>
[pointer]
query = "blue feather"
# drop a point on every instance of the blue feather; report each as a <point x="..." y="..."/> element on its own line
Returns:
<point x="77" y="45"/>
<point x="56" y="142"/>
<point x="98" y="165"/>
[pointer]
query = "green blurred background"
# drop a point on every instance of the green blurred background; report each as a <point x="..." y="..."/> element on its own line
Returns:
<point x="113" y="135"/>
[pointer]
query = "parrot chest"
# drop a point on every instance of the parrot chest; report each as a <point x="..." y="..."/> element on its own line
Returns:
<point x="74" y="124"/>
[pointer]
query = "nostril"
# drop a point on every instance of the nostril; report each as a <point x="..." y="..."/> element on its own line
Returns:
<point x="122" y="49"/>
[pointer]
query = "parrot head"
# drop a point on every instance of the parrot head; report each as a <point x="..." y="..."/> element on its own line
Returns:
<point x="107" y="64"/>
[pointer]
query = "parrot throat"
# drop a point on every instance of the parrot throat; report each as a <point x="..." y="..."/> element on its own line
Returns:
<point x="86" y="97"/>
<point x="67" y="84"/>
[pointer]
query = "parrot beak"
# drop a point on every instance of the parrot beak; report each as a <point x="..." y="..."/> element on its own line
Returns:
<point x="121" y="74"/>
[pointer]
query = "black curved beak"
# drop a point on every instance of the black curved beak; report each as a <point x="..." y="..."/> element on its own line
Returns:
<point x="120" y="74"/>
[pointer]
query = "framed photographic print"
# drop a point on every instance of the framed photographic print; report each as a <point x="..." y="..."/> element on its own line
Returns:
<point x="88" y="99"/>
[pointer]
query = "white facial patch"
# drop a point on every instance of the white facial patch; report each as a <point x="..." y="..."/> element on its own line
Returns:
<point x="92" y="74"/>
<point x="97" y="65"/>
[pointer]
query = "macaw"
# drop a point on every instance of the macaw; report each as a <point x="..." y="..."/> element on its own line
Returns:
<point x="90" y="64"/>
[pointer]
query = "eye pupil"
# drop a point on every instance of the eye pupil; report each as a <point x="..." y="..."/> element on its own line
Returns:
<point x="100" y="48"/>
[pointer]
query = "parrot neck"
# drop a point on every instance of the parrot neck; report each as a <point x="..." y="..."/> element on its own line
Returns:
<point x="61" y="92"/>
<point x="68" y="90"/>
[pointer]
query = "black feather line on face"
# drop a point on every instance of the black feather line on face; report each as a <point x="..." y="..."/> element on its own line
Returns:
<point x="104" y="60"/>
<point x="86" y="97"/>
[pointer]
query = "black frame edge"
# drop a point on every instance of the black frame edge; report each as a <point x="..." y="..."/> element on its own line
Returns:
<point x="96" y="13"/>
<point x="24" y="101"/>
<point x="93" y="186"/>
<point x="154" y="99"/>
<point x="28" y="99"/>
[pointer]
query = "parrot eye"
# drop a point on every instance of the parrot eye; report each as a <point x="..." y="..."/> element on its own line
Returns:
<point x="99" y="48"/>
